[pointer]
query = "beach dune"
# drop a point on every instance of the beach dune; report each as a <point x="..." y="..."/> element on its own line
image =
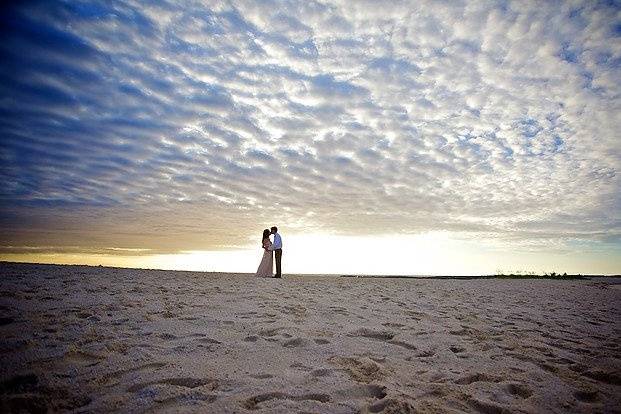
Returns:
<point x="94" y="339"/>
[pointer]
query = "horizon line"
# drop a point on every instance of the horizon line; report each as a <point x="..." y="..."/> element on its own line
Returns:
<point x="360" y="275"/>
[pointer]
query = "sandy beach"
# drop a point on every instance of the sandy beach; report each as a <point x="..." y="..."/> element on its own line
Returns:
<point x="88" y="339"/>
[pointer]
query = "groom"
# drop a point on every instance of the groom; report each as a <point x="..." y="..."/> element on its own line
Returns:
<point x="277" y="248"/>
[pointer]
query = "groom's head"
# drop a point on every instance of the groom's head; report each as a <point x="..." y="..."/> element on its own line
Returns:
<point x="274" y="230"/>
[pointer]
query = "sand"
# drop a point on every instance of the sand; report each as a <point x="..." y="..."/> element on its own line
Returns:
<point x="88" y="339"/>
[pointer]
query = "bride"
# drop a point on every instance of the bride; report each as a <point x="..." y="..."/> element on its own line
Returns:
<point x="266" y="267"/>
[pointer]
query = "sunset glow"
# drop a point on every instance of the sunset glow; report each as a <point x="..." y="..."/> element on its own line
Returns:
<point x="423" y="254"/>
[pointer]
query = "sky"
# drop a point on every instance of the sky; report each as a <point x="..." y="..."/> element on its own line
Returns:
<point x="427" y="137"/>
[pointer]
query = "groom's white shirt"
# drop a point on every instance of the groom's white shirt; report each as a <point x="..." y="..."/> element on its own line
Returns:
<point x="277" y="242"/>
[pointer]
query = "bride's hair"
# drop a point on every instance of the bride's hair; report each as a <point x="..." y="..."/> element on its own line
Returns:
<point x="266" y="235"/>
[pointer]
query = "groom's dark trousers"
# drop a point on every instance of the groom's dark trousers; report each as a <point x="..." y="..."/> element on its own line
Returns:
<point x="278" y="257"/>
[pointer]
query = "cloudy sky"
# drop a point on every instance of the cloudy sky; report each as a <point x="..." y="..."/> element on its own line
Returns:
<point x="456" y="137"/>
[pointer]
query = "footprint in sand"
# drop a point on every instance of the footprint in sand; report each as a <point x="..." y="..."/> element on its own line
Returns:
<point x="360" y="369"/>
<point x="369" y="333"/>
<point x="207" y="340"/>
<point x="79" y="357"/>
<point x="252" y="403"/>
<point x="294" y="343"/>
<point x="425" y="354"/>
<point x="323" y="372"/>
<point x="518" y="389"/>
<point x="270" y="332"/>
<point x="168" y="404"/>
<point x="586" y="396"/>
<point x="403" y="344"/>
<point x="393" y="325"/>
<point x="114" y="377"/>
<point x="262" y="376"/>
<point x="363" y="391"/>
<point x="602" y="376"/>
<point x="478" y="377"/>
<point x="460" y="332"/>
<point x="185" y="382"/>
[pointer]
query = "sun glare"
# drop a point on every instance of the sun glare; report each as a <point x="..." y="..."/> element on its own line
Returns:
<point x="424" y="254"/>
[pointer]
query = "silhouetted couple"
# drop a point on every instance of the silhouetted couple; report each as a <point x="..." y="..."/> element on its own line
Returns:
<point x="267" y="262"/>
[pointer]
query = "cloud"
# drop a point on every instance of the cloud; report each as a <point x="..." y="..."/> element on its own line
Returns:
<point x="175" y="126"/>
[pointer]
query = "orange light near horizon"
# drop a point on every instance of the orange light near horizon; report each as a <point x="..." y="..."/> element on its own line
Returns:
<point x="434" y="253"/>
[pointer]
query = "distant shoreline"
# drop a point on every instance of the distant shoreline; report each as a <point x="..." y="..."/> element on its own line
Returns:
<point x="354" y="276"/>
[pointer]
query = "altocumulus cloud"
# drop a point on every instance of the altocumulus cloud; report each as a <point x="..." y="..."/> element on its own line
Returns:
<point x="174" y="126"/>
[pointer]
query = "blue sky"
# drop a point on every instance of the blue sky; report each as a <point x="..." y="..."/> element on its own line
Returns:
<point x="165" y="127"/>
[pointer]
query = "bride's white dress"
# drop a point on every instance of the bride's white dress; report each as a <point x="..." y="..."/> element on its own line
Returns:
<point x="266" y="268"/>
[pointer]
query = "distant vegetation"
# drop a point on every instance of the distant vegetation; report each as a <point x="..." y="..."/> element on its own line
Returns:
<point x="532" y="275"/>
<point x="499" y="275"/>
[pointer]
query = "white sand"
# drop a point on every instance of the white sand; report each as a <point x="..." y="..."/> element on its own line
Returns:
<point x="98" y="340"/>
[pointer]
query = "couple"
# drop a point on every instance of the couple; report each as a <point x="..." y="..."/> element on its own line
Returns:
<point x="267" y="265"/>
